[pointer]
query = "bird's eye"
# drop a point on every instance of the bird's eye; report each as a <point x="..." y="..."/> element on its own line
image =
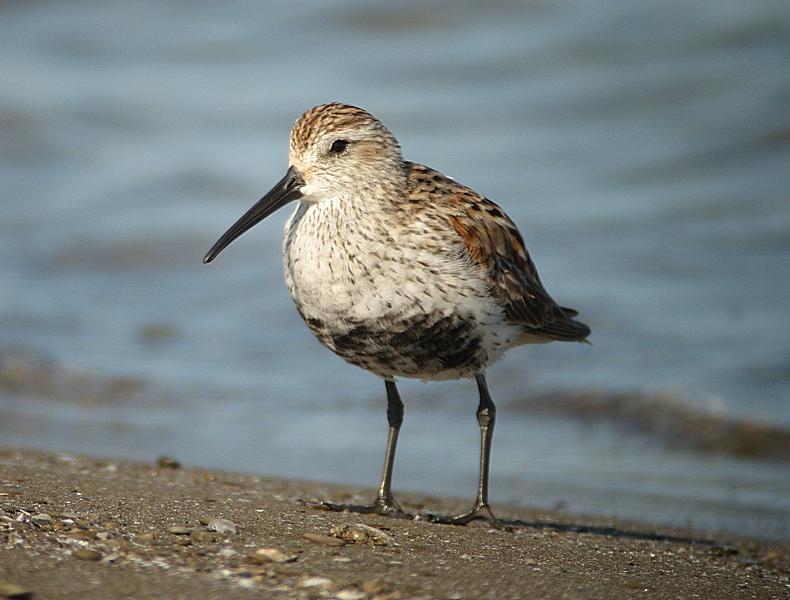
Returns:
<point x="339" y="146"/>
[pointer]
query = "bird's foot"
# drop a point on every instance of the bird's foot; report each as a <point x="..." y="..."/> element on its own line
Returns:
<point x="480" y="511"/>
<point x="382" y="506"/>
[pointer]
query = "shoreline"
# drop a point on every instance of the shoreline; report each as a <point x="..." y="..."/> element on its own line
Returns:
<point x="81" y="527"/>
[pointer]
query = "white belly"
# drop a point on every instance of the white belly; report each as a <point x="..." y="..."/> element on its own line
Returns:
<point x="387" y="302"/>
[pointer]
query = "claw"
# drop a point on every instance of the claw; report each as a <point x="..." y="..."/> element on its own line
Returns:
<point x="382" y="506"/>
<point x="479" y="512"/>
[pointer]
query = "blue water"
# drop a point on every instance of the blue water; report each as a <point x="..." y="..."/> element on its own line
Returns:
<point x="643" y="149"/>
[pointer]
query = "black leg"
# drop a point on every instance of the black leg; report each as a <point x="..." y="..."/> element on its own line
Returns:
<point x="385" y="499"/>
<point x="385" y="503"/>
<point x="486" y="416"/>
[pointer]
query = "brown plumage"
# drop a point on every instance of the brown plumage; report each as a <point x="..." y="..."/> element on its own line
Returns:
<point x="495" y="244"/>
<point x="403" y="271"/>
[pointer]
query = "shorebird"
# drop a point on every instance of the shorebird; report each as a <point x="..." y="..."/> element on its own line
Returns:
<point x="403" y="271"/>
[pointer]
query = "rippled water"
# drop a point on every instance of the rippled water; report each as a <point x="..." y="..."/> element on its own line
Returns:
<point x="643" y="149"/>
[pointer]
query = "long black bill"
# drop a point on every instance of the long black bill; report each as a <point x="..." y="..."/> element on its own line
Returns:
<point x="287" y="190"/>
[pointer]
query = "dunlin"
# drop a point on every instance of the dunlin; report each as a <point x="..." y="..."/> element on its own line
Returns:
<point x="403" y="271"/>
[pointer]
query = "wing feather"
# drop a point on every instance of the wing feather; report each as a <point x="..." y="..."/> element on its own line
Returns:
<point x="495" y="244"/>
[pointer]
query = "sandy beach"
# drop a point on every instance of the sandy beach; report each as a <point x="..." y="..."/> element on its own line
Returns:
<point x="79" y="527"/>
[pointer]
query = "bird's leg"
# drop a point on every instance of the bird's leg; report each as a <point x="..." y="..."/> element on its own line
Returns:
<point x="384" y="500"/>
<point x="385" y="503"/>
<point x="486" y="416"/>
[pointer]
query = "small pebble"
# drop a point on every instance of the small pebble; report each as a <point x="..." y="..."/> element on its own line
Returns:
<point x="324" y="539"/>
<point x="167" y="462"/>
<point x="145" y="538"/>
<point x="267" y="555"/>
<point x="41" y="519"/>
<point x="111" y="544"/>
<point x="315" y="582"/>
<point x="85" y="554"/>
<point x="179" y="530"/>
<point x="350" y="595"/>
<point x="222" y="526"/>
<point x="202" y="536"/>
<point x="362" y="534"/>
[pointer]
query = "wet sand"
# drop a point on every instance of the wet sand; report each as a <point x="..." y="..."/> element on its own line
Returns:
<point x="78" y="527"/>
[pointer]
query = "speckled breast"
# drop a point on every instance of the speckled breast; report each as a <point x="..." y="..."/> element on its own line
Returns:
<point x="382" y="305"/>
